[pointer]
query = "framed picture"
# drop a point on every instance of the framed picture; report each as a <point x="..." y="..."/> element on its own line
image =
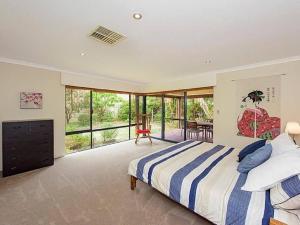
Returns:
<point x="258" y="107"/>
<point x="31" y="100"/>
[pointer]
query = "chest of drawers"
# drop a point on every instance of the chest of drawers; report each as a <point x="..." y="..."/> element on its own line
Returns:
<point x="27" y="145"/>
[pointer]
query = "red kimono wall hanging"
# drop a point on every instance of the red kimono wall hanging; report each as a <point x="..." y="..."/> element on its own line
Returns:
<point x="259" y="107"/>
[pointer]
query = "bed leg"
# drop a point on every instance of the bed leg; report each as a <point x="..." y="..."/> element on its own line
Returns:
<point x="276" y="222"/>
<point x="133" y="182"/>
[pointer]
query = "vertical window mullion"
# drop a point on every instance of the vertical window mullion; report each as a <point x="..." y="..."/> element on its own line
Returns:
<point x="91" y="118"/>
<point x="185" y="114"/>
<point x="129" y="116"/>
<point x="163" y="117"/>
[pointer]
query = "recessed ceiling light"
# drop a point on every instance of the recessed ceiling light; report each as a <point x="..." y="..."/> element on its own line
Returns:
<point x="82" y="54"/>
<point x="137" y="16"/>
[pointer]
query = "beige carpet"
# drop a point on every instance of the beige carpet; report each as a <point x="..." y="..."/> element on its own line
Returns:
<point x="92" y="188"/>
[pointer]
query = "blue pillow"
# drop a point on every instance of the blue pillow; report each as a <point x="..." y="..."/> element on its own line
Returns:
<point x="255" y="159"/>
<point x="251" y="148"/>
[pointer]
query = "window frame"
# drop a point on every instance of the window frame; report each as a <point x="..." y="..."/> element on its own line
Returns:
<point x="91" y="130"/>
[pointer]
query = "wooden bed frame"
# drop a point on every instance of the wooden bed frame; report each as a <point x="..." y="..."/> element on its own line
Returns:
<point x="133" y="180"/>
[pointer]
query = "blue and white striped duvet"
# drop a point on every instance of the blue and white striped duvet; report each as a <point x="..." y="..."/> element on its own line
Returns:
<point x="203" y="177"/>
<point x="286" y="195"/>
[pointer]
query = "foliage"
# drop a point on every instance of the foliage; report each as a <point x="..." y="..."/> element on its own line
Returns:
<point x="103" y="104"/>
<point x="77" y="142"/>
<point x="133" y="112"/>
<point x="123" y="113"/>
<point x="76" y="101"/>
<point x="171" y="107"/>
<point x="109" y="135"/>
<point x="193" y="109"/>
<point x="83" y="120"/>
<point x="200" y="108"/>
<point x="154" y="107"/>
<point x="109" y="109"/>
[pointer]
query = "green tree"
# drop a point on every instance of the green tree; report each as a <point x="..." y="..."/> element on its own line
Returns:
<point x="153" y="107"/>
<point x="109" y="136"/>
<point x="200" y="108"/>
<point x="102" y="103"/>
<point x="76" y="100"/>
<point x="171" y="107"/>
<point x="123" y="113"/>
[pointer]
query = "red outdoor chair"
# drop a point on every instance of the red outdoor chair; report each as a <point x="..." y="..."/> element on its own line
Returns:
<point x="143" y="127"/>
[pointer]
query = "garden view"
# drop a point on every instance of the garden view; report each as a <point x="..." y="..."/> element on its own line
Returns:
<point x="110" y="116"/>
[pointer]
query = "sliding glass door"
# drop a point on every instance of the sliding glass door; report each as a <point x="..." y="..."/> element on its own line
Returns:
<point x="154" y="109"/>
<point x="174" y="119"/>
<point x="181" y="115"/>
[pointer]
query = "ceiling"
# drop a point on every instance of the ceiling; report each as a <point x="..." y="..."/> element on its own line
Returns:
<point x="174" y="38"/>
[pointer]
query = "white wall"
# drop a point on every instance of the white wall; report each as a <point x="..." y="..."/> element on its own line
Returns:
<point x="100" y="83"/>
<point x="195" y="81"/>
<point x="225" y="100"/>
<point x="16" y="78"/>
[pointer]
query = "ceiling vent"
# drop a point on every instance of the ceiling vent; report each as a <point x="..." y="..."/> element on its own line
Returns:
<point x="107" y="36"/>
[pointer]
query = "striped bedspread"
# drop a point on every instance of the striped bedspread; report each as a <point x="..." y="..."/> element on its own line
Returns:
<point x="203" y="177"/>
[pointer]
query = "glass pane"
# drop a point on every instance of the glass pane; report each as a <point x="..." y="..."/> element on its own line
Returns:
<point x="110" y="110"/>
<point x="200" y="111"/>
<point x="77" y="112"/>
<point x="111" y="136"/>
<point x="154" y="110"/>
<point x="132" y="132"/>
<point x="133" y="109"/>
<point x="174" y="119"/>
<point x="78" y="142"/>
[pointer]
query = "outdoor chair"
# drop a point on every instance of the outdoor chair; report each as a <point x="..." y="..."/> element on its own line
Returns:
<point x="143" y="127"/>
<point x="192" y="128"/>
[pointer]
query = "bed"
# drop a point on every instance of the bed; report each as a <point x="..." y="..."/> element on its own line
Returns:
<point x="204" y="178"/>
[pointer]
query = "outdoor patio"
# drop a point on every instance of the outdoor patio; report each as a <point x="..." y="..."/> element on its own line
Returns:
<point x="177" y="135"/>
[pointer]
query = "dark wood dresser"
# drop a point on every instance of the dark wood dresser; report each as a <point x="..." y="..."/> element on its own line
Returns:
<point x="27" y="145"/>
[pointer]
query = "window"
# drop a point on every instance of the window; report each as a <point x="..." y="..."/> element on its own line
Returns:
<point x="174" y="120"/>
<point x="78" y="142"/>
<point x="170" y="113"/>
<point x="154" y="109"/>
<point x="110" y="136"/>
<point x="110" y="110"/>
<point x="95" y="118"/>
<point x="77" y="109"/>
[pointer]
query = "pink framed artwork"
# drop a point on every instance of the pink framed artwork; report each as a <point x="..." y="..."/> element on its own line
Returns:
<point x="31" y="100"/>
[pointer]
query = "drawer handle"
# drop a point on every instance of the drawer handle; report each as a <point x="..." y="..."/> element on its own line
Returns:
<point x="13" y="168"/>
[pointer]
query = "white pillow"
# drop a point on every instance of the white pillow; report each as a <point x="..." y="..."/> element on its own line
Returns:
<point x="273" y="171"/>
<point x="281" y="144"/>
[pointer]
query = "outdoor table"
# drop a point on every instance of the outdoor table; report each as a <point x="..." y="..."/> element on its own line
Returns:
<point x="205" y="126"/>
